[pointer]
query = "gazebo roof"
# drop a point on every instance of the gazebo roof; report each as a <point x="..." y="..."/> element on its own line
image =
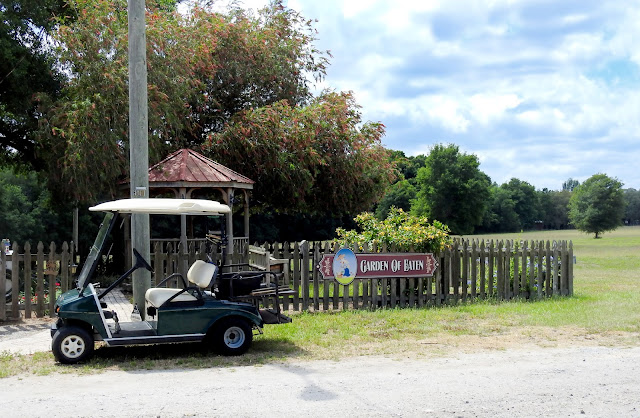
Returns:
<point x="187" y="168"/>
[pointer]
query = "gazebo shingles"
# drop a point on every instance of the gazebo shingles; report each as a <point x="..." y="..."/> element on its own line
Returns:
<point x="188" y="166"/>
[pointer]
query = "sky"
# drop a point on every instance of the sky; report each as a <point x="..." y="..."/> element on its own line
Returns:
<point x="542" y="90"/>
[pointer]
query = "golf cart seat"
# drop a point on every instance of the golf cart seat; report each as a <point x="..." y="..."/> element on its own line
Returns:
<point x="200" y="273"/>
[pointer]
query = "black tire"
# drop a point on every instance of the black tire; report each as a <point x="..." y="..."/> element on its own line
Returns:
<point x="232" y="336"/>
<point x="72" y="345"/>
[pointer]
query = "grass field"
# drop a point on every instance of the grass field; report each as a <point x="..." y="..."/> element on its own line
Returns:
<point x="605" y="309"/>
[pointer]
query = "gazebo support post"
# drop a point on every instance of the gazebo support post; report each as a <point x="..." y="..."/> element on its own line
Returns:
<point x="246" y="214"/>
<point x="229" y="199"/>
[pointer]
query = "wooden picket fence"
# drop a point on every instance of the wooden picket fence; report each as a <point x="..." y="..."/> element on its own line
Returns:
<point x="35" y="279"/>
<point x="469" y="271"/>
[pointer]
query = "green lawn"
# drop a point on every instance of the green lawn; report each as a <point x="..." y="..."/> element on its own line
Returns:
<point x="605" y="309"/>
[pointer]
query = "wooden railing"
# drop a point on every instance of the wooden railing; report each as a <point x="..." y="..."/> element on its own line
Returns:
<point x="35" y="279"/>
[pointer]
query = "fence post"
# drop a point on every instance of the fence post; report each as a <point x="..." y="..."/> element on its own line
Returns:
<point x="52" y="269"/>
<point x="316" y="279"/>
<point x="3" y="282"/>
<point x="464" y="277"/>
<point x="483" y="271"/>
<point x="325" y="283"/>
<point x="516" y="269"/>
<point x="296" y="276"/>
<point x="523" y="275"/>
<point x="64" y="267"/>
<point x="27" y="280"/>
<point x="507" y="271"/>
<point x="40" y="274"/>
<point x="15" y="281"/>
<point x="304" y="270"/>
<point x="474" y="269"/>
<point x="286" y="255"/>
<point x="547" y="270"/>
<point x="500" y="272"/>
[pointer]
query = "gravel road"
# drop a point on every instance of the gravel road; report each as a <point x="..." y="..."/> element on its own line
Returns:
<point x="591" y="381"/>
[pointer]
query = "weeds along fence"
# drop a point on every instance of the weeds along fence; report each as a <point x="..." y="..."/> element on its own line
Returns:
<point x="472" y="269"/>
<point x="33" y="281"/>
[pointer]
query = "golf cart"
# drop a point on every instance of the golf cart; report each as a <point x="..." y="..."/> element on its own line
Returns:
<point x="220" y="309"/>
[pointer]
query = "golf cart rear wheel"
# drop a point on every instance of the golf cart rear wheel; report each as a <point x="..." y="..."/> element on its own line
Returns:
<point x="72" y="345"/>
<point x="232" y="337"/>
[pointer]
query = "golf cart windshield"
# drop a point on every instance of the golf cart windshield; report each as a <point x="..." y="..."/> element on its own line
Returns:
<point x="96" y="249"/>
<point x="158" y="206"/>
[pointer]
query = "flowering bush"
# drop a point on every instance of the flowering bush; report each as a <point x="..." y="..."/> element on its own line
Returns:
<point x="399" y="229"/>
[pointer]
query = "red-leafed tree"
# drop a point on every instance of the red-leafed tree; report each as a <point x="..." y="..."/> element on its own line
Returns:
<point x="203" y="68"/>
<point x="314" y="158"/>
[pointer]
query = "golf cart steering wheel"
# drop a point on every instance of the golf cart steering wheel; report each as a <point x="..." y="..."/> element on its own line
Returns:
<point x="140" y="261"/>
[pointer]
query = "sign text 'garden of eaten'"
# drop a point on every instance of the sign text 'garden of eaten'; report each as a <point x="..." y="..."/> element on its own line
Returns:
<point x="345" y="265"/>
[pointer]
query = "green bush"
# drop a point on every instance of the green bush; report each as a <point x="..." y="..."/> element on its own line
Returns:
<point x="400" y="230"/>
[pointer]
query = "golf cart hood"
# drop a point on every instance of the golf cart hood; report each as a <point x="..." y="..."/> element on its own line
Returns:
<point x="162" y="206"/>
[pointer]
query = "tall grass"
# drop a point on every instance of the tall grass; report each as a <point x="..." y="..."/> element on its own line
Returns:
<point x="606" y="302"/>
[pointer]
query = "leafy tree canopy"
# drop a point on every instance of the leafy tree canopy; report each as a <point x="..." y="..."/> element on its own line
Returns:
<point x="632" y="211"/>
<point x="399" y="195"/>
<point x="202" y="69"/>
<point x="452" y="189"/>
<point x="597" y="205"/>
<point x="27" y="67"/>
<point x="525" y="201"/>
<point x="570" y="184"/>
<point x="307" y="158"/>
<point x="555" y="208"/>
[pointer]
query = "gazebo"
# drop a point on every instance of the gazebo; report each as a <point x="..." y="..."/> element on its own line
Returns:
<point x="186" y="171"/>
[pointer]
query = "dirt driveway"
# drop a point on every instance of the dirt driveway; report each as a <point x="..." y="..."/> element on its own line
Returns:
<point x="582" y="380"/>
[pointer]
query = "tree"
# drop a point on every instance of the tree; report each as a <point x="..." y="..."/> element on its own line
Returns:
<point x="398" y="195"/>
<point x="407" y="166"/>
<point x="555" y="208"/>
<point x="27" y="67"/>
<point x="28" y="213"/>
<point x="525" y="200"/>
<point x="597" y="205"/>
<point x="501" y="215"/>
<point x="632" y="212"/>
<point x="570" y="184"/>
<point x="452" y="189"/>
<point x="204" y="68"/>
<point x="307" y="159"/>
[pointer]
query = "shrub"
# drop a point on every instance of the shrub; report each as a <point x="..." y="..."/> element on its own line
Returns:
<point x="399" y="230"/>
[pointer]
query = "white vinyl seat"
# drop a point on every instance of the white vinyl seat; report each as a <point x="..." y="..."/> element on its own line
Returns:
<point x="156" y="296"/>
<point x="200" y="273"/>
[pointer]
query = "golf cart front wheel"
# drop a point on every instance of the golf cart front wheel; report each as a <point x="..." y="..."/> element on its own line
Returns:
<point x="233" y="337"/>
<point x="72" y="345"/>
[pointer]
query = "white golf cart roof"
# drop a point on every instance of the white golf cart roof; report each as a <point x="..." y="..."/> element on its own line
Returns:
<point x="163" y="206"/>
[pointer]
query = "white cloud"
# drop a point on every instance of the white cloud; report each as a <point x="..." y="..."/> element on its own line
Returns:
<point x="488" y="107"/>
<point x="528" y="88"/>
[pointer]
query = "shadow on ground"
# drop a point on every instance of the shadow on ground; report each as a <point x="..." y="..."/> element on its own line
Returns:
<point x="190" y="355"/>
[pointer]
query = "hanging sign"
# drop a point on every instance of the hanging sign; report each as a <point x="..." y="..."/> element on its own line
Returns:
<point x="345" y="265"/>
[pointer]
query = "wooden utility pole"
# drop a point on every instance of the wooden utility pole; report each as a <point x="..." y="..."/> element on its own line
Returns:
<point x="139" y="144"/>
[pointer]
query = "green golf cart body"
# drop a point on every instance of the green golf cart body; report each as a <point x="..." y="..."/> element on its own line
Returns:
<point x="194" y="312"/>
